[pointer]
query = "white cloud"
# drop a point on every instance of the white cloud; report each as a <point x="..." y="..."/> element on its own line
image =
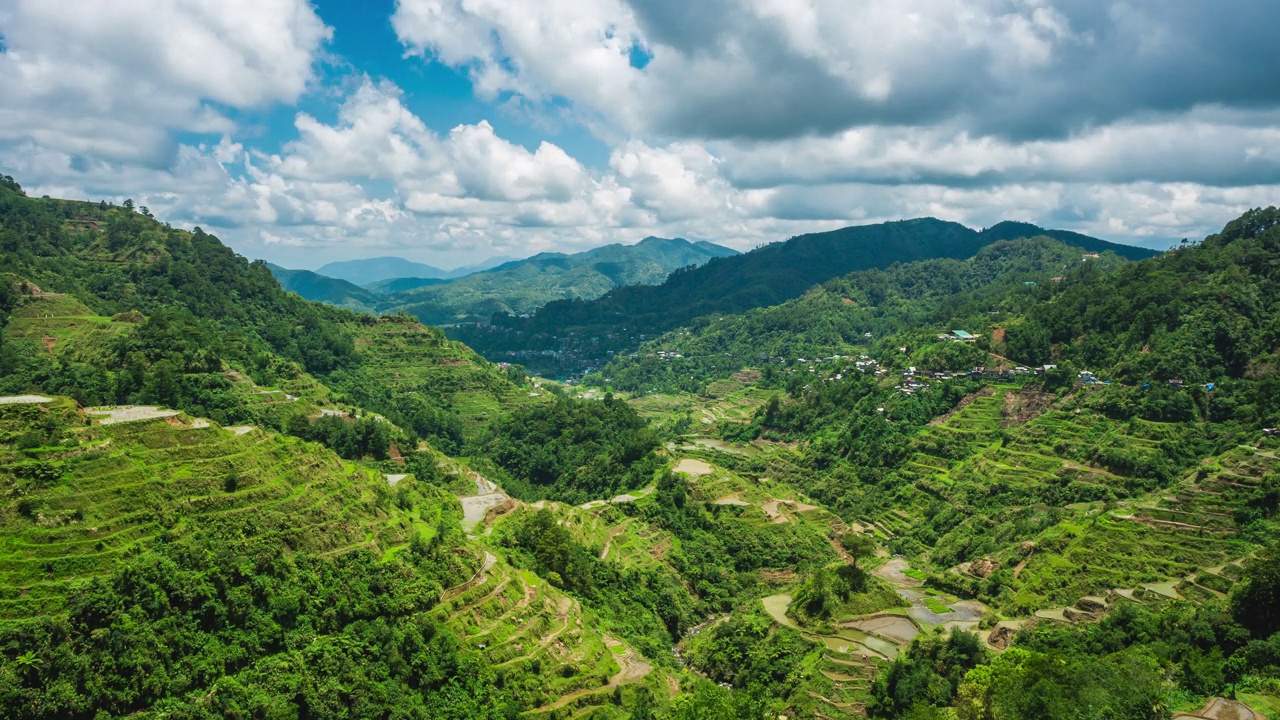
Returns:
<point x="770" y="69"/>
<point x="115" y="79"/>
<point x="1211" y="147"/>
<point x="741" y="122"/>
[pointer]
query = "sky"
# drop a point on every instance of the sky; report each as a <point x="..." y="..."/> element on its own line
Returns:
<point x="448" y="131"/>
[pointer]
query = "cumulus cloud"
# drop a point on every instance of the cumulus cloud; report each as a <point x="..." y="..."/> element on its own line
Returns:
<point x="115" y="79"/>
<point x="1215" y="148"/>
<point x="741" y="121"/>
<point x="772" y="69"/>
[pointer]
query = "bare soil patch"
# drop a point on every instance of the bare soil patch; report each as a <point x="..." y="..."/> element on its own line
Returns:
<point x="689" y="466"/>
<point x="129" y="413"/>
<point x="24" y="400"/>
<point x="890" y="627"/>
<point x="1024" y="406"/>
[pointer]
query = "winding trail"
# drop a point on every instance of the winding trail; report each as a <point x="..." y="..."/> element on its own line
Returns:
<point x="478" y="579"/>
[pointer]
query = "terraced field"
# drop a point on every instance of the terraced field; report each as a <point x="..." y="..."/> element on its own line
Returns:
<point x="66" y="327"/>
<point x="409" y="357"/>
<point x="72" y="507"/>
<point x="1069" y="525"/>
<point x="542" y="640"/>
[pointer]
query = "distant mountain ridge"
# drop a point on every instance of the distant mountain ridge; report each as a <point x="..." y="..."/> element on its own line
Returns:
<point x="328" y="290"/>
<point x="371" y="270"/>
<point x="368" y="271"/>
<point x="766" y="276"/>
<point x="523" y="286"/>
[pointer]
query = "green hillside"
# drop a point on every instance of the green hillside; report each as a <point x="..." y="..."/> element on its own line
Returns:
<point x="622" y="319"/>
<point x="523" y="286"/>
<point x="327" y="290"/>
<point x="112" y="307"/>
<point x="861" y="312"/>
<point x="218" y="500"/>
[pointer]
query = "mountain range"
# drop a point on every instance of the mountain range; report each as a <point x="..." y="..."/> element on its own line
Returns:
<point x="523" y="286"/>
<point x="514" y="287"/>
<point x="620" y="319"/>
<point x="371" y="270"/>
<point x="218" y="499"/>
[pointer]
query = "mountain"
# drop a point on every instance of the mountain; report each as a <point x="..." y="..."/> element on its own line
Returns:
<point x="371" y="270"/>
<point x="396" y="285"/>
<point x="111" y="306"/>
<point x="1010" y="230"/>
<point x="320" y="288"/>
<point x="522" y="286"/>
<point x="395" y="527"/>
<point x="856" y="313"/>
<point x="621" y="319"/>
<point x="486" y="264"/>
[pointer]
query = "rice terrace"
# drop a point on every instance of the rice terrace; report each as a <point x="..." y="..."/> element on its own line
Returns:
<point x="631" y="360"/>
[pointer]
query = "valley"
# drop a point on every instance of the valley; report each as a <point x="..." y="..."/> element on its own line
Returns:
<point x="996" y="477"/>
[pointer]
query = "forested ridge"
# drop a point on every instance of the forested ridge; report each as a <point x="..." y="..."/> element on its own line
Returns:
<point x="220" y="500"/>
<point x="765" y="276"/>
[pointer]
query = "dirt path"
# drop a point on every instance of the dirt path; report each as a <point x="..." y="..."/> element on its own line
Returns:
<point x="634" y="668"/>
<point x="1222" y="709"/>
<point x="479" y="578"/>
<point x="613" y="534"/>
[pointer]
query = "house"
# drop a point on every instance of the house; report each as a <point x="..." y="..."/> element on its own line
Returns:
<point x="1087" y="377"/>
<point x="1089" y="256"/>
<point x="1176" y="383"/>
<point x="962" y="336"/>
<point x="1058" y="278"/>
<point x="1271" y="432"/>
<point x="1043" y="369"/>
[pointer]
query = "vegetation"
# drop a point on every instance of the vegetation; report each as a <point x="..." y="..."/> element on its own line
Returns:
<point x="330" y="291"/>
<point x="523" y="286"/>
<point x="573" y="450"/>
<point x="900" y="526"/>
<point x="623" y="318"/>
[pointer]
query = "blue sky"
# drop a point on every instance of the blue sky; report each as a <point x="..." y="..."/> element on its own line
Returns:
<point x="448" y="131"/>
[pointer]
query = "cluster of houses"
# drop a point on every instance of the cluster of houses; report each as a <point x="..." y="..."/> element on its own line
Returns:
<point x="914" y="381"/>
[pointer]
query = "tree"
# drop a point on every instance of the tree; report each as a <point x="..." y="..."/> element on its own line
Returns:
<point x="128" y="204"/>
<point x="1256" y="600"/>
<point x="1233" y="671"/>
<point x="858" y="545"/>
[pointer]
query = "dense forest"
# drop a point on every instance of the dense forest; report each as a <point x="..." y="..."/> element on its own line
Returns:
<point x="769" y="275"/>
<point x="187" y="315"/>
<point x="874" y="311"/>
<point x="220" y="500"/>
